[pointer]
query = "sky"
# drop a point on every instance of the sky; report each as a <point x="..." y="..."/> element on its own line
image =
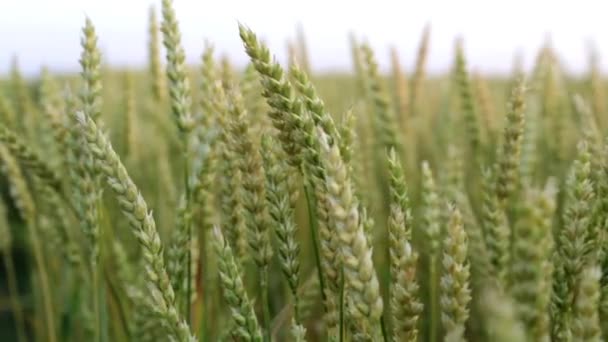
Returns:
<point x="47" y="32"/>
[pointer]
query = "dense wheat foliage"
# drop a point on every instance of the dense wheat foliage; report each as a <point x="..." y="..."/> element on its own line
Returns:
<point x="270" y="203"/>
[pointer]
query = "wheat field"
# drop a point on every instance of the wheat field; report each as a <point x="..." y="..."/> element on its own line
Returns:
<point x="208" y="202"/>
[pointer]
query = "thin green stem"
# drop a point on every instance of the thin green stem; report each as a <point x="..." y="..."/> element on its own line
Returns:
<point x="189" y="278"/>
<point x="44" y="282"/>
<point x="383" y="328"/>
<point x="312" y="218"/>
<point x="95" y="267"/>
<point x="96" y="306"/>
<point x="13" y="290"/>
<point x="203" y="308"/>
<point x="122" y="312"/>
<point x="105" y="226"/>
<point x="341" y="327"/>
<point x="282" y="316"/>
<point x="265" y="302"/>
<point x="434" y="304"/>
<point x="188" y="303"/>
<point x="296" y="307"/>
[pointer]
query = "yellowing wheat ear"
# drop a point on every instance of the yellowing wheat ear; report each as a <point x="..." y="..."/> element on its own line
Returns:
<point x="361" y="282"/>
<point x="155" y="65"/>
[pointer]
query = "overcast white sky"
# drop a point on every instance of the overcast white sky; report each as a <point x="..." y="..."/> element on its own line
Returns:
<point x="47" y="32"/>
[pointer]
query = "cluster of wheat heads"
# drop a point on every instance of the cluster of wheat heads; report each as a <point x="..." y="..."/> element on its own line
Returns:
<point x="271" y="204"/>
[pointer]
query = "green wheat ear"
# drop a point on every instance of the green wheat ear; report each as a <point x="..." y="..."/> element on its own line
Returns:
<point x="179" y="84"/>
<point x="384" y="118"/>
<point x="90" y="62"/>
<point x="241" y="308"/>
<point x="91" y="101"/>
<point x="509" y="157"/>
<point x="249" y="164"/>
<point x="130" y="124"/>
<point x="496" y="228"/>
<point x="601" y="210"/>
<point x="405" y="304"/>
<point x="135" y="209"/>
<point x="177" y="253"/>
<point x="208" y="91"/>
<point x="18" y="187"/>
<point x="256" y="104"/>
<point x="431" y="207"/>
<point x="454" y="284"/>
<point x="281" y="214"/>
<point x="287" y="111"/>
<point x="586" y="323"/>
<point x="313" y="102"/>
<point x="467" y="102"/>
<point x="573" y="247"/>
<point x="531" y="267"/>
<point x="299" y="139"/>
<point x="486" y="106"/>
<point x="32" y="161"/>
